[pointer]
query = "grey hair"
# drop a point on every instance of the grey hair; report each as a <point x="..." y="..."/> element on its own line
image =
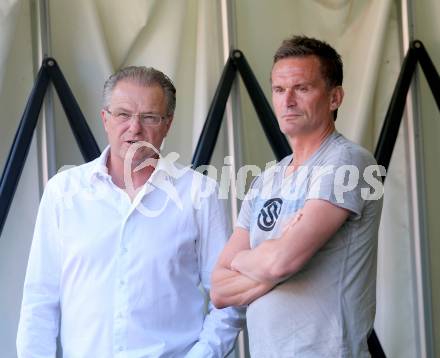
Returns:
<point x="144" y="76"/>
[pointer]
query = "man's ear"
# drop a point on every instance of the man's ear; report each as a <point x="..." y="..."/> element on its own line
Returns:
<point x="104" y="118"/>
<point x="169" y="122"/>
<point x="336" y="97"/>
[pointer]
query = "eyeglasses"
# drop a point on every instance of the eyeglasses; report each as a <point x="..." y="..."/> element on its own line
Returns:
<point x="146" y="119"/>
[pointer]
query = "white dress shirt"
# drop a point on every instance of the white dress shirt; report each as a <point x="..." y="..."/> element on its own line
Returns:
<point x="121" y="278"/>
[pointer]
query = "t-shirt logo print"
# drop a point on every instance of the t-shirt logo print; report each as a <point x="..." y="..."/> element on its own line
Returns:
<point x="269" y="214"/>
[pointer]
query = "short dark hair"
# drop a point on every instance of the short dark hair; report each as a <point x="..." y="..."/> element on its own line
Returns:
<point x="302" y="46"/>
<point x="144" y="76"/>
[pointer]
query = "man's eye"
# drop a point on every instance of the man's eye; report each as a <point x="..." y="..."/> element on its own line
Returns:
<point x="277" y="90"/>
<point x="303" y="89"/>
<point x="148" y="118"/>
<point x="123" y="115"/>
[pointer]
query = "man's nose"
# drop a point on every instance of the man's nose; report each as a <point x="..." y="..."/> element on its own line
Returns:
<point x="135" y="124"/>
<point x="290" y="98"/>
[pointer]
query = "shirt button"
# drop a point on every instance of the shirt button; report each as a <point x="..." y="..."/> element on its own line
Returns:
<point x="121" y="283"/>
<point x="124" y="251"/>
<point x="120" y="349"/>
<point x="119" y="316"/>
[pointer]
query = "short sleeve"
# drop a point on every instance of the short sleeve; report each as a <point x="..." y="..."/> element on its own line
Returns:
<point x="340" y="179"/>
<point x="245" y="215"/>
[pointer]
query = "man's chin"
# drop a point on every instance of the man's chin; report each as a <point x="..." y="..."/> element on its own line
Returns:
<point x="139" y="158"/>
<point x="289" y="130"/>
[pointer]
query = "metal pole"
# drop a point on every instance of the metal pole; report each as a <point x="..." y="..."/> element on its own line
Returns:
<point x="232" y="124"/>
<point x="420" y="254"/>
<point x="46" y="125"/>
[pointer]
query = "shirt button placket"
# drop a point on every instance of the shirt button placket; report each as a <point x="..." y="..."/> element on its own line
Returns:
<point x="120" y="319"/>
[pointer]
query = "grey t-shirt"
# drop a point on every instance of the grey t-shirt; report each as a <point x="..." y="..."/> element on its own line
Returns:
<point x="327" y="308"/>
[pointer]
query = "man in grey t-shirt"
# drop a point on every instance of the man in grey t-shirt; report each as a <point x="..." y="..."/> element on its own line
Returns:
<point x="303" y="254"/>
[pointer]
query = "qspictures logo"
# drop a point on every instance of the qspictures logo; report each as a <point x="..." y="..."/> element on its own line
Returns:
<point x="343" y="180"/>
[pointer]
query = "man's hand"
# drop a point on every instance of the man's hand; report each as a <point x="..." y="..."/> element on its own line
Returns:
<point x="231" y="288"/>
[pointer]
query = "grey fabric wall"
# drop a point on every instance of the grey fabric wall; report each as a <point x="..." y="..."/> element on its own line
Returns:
<point x="183" y="38"/>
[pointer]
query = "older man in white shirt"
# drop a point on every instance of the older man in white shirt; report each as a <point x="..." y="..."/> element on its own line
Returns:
<point x="123" y="243"/>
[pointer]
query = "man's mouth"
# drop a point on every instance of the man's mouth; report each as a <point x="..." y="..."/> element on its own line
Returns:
<point x="292" y="115"/>
<point x="132" y="141"/>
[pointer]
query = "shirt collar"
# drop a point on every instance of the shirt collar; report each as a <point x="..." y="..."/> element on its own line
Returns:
<point x="165" y="169"/>
<point x="99" y="169"/>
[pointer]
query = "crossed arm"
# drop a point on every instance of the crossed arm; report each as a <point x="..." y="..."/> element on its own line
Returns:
<point x="230" y="287"/>
<point x="243" y="274"/>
